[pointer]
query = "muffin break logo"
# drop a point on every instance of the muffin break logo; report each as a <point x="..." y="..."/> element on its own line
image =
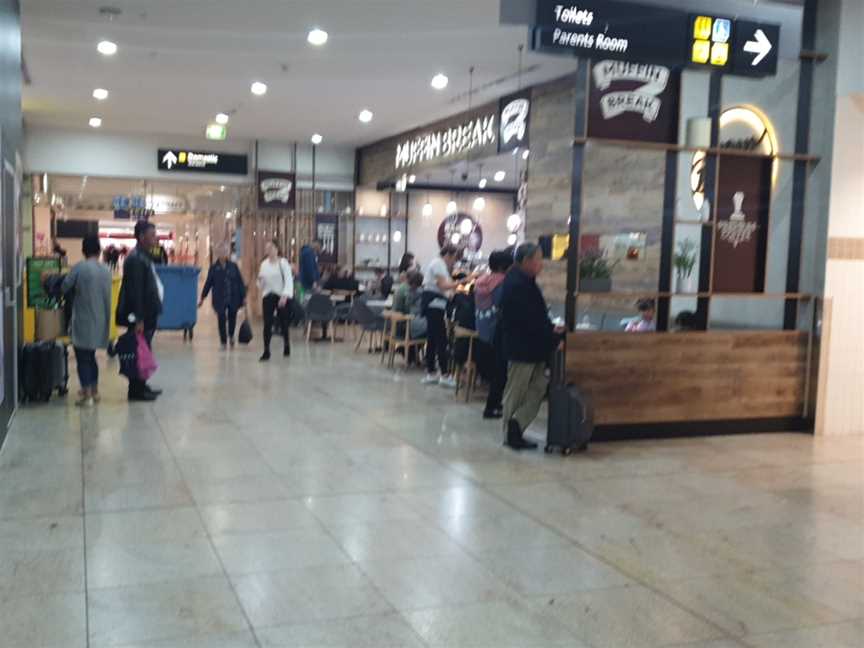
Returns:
<point x="643" y="99"/>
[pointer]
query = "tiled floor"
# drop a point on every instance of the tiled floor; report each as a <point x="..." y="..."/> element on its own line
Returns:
<point x="327" y="502"/>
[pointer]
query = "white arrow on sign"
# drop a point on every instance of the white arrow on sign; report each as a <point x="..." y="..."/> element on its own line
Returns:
<point x="761" y="46"/>
<point x="169" y="159"/>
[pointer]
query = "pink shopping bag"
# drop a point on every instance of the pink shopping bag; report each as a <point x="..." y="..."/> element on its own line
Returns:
<point x="146" y="362"/>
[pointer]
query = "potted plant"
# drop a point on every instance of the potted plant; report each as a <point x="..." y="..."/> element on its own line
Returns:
<point x="684" y="261"/>
<point x="595" y="272"/>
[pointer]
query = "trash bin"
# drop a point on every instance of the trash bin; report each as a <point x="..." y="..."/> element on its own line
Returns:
<point x="180" y="302"/>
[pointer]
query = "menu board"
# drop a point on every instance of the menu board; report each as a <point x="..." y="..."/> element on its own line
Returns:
<point x="36" y="268"/>
<point x="743" y="206"/>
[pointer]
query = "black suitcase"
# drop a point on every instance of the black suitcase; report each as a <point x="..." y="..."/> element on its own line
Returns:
<point x="571" y="414"/>
<point x="44" y="369"/>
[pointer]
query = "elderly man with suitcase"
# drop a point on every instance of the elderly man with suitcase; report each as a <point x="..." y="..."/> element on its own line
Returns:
<point x="529" y="340"/>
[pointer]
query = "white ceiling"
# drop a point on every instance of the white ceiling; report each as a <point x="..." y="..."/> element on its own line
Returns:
<point x="181" y="62"/>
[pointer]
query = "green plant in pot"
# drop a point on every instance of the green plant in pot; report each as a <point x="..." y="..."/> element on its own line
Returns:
<point x="595" y="272"/>
<point x="684" y="262"/>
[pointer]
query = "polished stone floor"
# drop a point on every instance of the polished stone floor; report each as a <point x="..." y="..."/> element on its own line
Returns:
<point x="328" y="502"/>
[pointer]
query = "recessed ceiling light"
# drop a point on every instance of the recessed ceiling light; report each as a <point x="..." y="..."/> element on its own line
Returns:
<point x="482" y="184"/>
<point x="222" y="118"/>
<point x="317" y="37"/>
<point x="440" y="81"/>
<point x="317" y="139"/>
<point x="95" y="122"/>
<point x="499" y="176"/>
<point x="107" y="48"/>
<point x="365" y="116"/>
<point x="100" y="93"/>
<point x="259" y="88"/>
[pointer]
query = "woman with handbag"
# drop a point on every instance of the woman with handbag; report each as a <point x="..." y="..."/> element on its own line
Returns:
<point x="276" y="282"/>
<point x="229" y="294"/>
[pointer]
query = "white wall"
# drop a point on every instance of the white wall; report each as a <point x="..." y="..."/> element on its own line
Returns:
<point x="134" y="156"/>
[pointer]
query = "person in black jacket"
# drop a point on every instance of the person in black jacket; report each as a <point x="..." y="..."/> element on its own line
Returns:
<point x="140" y="302"/>
<point x="529" y="339"/>
<point x="229" y="294"/>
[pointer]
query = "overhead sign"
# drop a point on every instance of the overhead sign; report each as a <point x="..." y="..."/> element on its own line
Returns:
<point x="185" y="160"/>
<point x="450" y="142"/>
<point x="755" y="48"/>
<point x="513" y="120"/>
<point x="216" y="132"/>
<point x="610" y="29"/>
<point x="276" y="190"/>
<point x="637" y="101"/>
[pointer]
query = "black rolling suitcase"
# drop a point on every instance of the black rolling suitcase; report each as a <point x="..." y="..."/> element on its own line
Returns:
<point x="44" y="369"/>
<point x="571" y="413"/>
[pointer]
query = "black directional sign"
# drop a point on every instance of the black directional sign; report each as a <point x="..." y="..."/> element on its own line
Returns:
<point x="609" y="29"/>
<point x="755" y="48"/>
<point x="187" y="160"/>
<point x="630" y="31"/>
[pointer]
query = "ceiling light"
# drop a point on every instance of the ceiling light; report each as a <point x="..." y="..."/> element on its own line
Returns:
<point x="365" y="116"/>
<point x="483" y="182"/>
<point x="317" y="139"/>
<point x="526" y="154"/>
<point x="107" y="48"/>
<point x="514" y="222"/>
<point x="95" y="122"/>
<point x="440" y="81"/>
<point x="100" y="93"/>
<point x="427" y="209"/>
<point x="479" y="203"/>
<point x="499" y="176"/>
<point x="222" y="118"/>
<point x="452" y="208"/>
<point x="259" y="88"/>
<point x="317" y="37"/>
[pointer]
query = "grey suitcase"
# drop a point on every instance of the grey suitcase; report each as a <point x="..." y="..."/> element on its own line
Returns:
<point x="571" y="414"/>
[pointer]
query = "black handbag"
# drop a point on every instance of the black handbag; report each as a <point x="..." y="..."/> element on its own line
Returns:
<point x="244" y="336"/>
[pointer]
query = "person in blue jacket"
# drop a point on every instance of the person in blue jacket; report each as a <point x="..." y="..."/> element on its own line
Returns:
<point x="229" y="294"/>
<point x="310" y="273"/>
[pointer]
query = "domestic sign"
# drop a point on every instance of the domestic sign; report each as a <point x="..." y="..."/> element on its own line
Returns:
<point x="635" y="101"/>
<point x="472" y="134"/>
<point x="755" y="48"/>
<point x="513" y="121"/>
<point x="276" y="190"/>
<point x="610" y="29"/>
<point x="186" y="160"/>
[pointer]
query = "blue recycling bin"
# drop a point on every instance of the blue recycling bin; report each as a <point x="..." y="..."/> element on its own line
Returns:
<point x="180" y="303"/>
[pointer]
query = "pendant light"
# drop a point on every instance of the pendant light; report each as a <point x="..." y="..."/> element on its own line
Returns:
<point x="427" y="207"/>
<point x="452" y="207"/>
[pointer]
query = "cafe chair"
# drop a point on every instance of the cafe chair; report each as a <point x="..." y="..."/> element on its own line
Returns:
<point x="397" y="335"/>
<point x="320" y="310"/>
<point x="469" y="367"/>
<point x="369" y="322"/>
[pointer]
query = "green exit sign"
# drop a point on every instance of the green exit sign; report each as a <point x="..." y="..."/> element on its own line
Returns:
<point x="216" y="132"/>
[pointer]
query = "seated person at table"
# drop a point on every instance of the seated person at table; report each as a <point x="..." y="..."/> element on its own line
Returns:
<point x="341" y="279"/>
<point x="686" y="321"/>
<point x="407" y="301"/>
<point x="645" y="322"/>
<point x="373" y="288"/>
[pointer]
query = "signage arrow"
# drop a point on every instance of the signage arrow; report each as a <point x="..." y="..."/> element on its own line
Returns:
<point x="761" y="46"/>
<point x="169" y="159"/>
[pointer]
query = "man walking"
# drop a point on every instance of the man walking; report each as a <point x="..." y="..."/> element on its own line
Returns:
<point x="529" y="339"/>
<point x="310" y="272"/>
<point x="140" y="301"/>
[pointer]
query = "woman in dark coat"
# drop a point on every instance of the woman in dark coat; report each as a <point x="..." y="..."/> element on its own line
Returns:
<point x="229" y="294"/>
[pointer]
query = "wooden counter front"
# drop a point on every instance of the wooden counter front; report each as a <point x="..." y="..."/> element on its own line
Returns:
<point x="681" y="377"/>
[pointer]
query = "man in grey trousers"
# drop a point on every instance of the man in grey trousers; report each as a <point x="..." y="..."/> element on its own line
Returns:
<point x="89" y="284"/>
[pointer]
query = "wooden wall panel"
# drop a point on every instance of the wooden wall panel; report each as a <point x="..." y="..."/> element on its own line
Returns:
<point x="701" y="376"/>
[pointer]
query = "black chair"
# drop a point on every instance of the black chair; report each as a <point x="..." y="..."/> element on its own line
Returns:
<point x="320" y="310"/>
<point x="369" y="322"/>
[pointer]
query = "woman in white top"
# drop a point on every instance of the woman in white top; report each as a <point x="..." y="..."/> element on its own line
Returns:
<point x="276" y="281"/>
